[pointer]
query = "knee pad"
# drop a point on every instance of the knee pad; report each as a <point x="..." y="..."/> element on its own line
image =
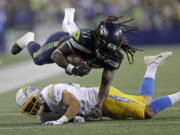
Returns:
<point x="38" y="61"/>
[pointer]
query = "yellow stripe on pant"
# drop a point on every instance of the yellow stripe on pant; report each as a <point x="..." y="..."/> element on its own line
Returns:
<point x="120" y="105"/>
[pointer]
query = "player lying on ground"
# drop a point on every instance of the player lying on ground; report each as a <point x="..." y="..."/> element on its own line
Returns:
<point x="100" y="48"/>
<point x="61" y="103"/>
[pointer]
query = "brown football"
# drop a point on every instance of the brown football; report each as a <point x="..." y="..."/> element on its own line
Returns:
<point x="75" y="59"/>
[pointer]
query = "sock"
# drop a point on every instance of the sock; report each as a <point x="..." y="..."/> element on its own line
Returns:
<point x="151" y="71"/>
<point x="160" y="104"/>
<point x="147" y="87"/>
<point x="33" y="47"/>
<point x="174" y="97"/>
<point x="25" y="40"/>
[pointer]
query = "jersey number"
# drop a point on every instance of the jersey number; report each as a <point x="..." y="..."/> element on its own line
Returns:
<point x="76" y="35"/>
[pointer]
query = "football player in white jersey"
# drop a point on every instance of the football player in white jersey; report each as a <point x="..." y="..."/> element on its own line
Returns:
<point x="60" y="103"/>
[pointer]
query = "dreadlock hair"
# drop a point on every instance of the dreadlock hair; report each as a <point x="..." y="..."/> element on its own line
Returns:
<point x="130" y="51"/>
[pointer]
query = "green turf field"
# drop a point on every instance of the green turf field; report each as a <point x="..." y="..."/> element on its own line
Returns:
<point x="9" y="59"/>
<point x="127" y="79"/>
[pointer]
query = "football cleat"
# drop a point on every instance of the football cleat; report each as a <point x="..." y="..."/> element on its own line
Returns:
<point x="16" y="49"/>
<point x="157" y="59"/>
<point x="22" y="42"/>
<point x="68" y="24"/>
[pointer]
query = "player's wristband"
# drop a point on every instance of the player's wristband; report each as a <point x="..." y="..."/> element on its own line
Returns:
<point x="63" y="119"/>
<point x="69" y="68"/>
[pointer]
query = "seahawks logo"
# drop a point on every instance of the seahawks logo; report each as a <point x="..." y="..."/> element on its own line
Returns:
<point x="76" y="35"/>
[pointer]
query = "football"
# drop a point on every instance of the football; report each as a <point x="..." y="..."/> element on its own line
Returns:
<point x="75" y="59"/>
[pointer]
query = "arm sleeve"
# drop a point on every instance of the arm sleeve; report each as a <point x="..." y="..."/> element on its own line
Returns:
<point x="54" y="94"/>
<point x="80" y="44"/>
<point x="57" y="93"/>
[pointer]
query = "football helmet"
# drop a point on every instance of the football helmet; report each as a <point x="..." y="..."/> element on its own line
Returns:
<point x="29" y="102"/>
<point x="108" y="40"/>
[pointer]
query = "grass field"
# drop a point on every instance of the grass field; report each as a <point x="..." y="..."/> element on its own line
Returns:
<point x="127" y="79"/>
<point x="6" y="59"/>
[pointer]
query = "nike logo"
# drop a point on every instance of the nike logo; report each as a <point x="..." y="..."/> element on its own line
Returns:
<point x="159" y="57"/>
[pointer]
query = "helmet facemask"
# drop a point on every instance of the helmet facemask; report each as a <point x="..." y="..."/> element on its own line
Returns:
<point x="33" y="106"/>
<point x="29" y="101"/>
<point x="104" y="50"/>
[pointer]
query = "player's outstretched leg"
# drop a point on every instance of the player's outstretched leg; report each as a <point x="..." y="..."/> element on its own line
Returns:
<point x="22" y="42"/>
<point x="152" y="63"/>
<point x="157" y="59"/>
<point x="68" y="24"/>
<point x="161" y="103"/>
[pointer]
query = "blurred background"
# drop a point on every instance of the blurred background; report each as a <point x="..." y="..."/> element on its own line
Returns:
<point x="158" y="20"/>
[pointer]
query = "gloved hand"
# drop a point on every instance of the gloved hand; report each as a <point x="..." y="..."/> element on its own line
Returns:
<point x="95" y="112"/>
<point x="47" y="123"/>
<point x="81" y="70"/>
<point x="78" y="119"/>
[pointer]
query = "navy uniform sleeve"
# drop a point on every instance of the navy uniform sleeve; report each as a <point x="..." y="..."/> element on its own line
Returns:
<point x="80" y="41"/>
<point x="114" y="62"/>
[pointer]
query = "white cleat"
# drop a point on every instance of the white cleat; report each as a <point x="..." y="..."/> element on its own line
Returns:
<point x="23" y="41"/>
<point x="157" y="59"/>
<point x="68" y="24"/>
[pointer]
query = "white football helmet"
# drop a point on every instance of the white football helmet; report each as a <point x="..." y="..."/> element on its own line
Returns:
<point x="28" y="101"/>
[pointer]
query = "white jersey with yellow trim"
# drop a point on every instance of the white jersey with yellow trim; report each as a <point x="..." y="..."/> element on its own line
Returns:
<point x="52" y="95"/>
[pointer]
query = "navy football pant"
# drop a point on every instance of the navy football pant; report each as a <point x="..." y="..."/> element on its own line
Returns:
<point x="42" y="54"/>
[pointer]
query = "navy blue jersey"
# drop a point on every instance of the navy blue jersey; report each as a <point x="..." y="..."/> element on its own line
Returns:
<point x="42" y="54"/>
<point x="82" y="42"/>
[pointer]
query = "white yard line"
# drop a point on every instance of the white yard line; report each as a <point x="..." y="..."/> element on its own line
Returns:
<point x="91" y="125"/>
<point x="25" y="73"/>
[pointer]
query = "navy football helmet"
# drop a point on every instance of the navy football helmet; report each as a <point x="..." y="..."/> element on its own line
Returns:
<point x="108" y="39"/>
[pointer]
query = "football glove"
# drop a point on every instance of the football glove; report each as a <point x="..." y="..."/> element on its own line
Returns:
<point x="95" y="112"/>
<point x="78" y="119"/>
<point x="81" y="70"/>
<point x="48" y="123"/>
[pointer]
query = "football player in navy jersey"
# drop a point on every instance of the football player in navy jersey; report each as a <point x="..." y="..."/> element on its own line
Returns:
<point x="101" y="48"/>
